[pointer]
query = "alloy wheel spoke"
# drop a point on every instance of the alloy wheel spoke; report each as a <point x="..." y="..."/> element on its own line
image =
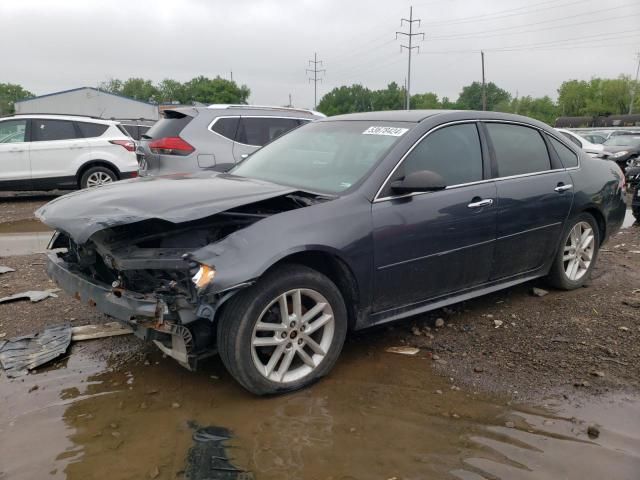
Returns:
<point x="314" y="345"/>
<point x="319" y="323"/>
<point x="286" y="363"/>
<point x="569" y="256"/>
<point x="275" y="357"/>
<point x="310" y="315"/>
<point x="284" y="309"/>
<point x="296" y="299"/>
<point x="304" y="356"/>
<point x="270" y="327"/>
<point x="586" y="242"/>
<point x="266" y="341"/>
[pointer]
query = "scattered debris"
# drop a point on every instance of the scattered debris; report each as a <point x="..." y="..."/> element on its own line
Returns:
<point x="403" y="350"/>
<point x="21" y="354"/>
<point x="509" y="424"/>
<point x="631" y="303"/>
<point x="478" y="369"/>
<point x="33" y="295"/>
<point x="539" y="292"/>
<point x="581" y="383"/>
<point x="90" y="332"/>
<point x="208" y="458"/>
<point x="593" y="431"/>
<point x="497" y="323"/>
<point x="597" y="373"/>
<point x="624" y="329"/>
<point x="438" y="392"/>
<point x="439" y="322"/>
<point x="4" y="269"/>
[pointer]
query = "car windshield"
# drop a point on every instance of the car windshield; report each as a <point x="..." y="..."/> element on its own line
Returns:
<point x="623" y="141"/>
<point x="327" y="156"/>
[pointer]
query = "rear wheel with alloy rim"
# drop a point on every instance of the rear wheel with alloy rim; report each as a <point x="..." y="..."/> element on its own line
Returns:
<point x="577" y="254"/>
<point x="97" y="176"/>
<point x="283" y="333"/>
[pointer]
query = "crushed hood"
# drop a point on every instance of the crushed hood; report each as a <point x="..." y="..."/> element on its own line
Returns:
<point x="174" y="198"/>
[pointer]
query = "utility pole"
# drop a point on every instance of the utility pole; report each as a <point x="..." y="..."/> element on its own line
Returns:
<point x="410" y="21"/>
<point x="484" y="85"/>
<point x="315" y="62"/>
<point x="290" y="103"/>
<point x="635" y="86"/>
<point x="232" y="75"/>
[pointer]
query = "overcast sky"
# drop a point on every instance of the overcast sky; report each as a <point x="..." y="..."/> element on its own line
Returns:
<point x="531" y="46"/>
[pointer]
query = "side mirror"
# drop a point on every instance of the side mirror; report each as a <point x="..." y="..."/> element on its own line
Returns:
<point x="420" y="181"/>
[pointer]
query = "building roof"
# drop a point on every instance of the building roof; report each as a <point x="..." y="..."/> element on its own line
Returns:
<point x="84" y="88"/>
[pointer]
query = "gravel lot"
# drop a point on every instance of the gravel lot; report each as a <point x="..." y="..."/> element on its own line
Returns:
<point x="512" y="342"/>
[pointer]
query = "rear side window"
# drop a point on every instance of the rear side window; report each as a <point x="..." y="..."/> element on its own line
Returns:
<point x="90" y="130"/>
<point x="573" y="140"/>
<point x="47" y="130"/>
<point x="260" y="131"/>
<point x="453" y="152"/>
<point x="13" y="131"/>
<point x="226" y="126"/>
<point x="518" y="150"/>
<point x="169" y="126"/>
<point x="567" y="157"/>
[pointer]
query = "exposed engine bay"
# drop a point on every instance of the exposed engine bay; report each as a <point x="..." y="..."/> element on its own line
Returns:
<point x="150" y="260"/>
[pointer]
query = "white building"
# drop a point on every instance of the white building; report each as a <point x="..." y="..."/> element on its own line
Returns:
<point x="91" y="102"/>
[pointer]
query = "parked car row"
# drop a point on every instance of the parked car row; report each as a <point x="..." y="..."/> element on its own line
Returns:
<point x="45" y="152"/>
<point x="344" y="223"/>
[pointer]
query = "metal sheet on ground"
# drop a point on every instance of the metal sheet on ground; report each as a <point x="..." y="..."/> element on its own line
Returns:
<point x="21" y="354"/>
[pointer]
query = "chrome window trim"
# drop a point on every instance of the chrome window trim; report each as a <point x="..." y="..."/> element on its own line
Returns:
<point x="250" y="116"/>
<point x="450" y="187"/>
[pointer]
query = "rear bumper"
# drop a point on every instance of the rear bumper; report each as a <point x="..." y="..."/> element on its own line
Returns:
<point x="122" y="305"/>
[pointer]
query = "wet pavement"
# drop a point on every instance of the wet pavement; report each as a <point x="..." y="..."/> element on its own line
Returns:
<point x="378" y="415"/>
<point x="24" y="237"/>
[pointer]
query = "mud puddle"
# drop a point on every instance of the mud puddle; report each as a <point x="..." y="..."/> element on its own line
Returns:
<point x="23" y="237"/>
<point x="377" y="416"/>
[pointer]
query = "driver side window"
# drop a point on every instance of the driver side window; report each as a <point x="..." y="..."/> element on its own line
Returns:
<point x="453" y="152"/>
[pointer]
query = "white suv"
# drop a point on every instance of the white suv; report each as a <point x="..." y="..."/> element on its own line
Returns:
<point x="46" y="152"/>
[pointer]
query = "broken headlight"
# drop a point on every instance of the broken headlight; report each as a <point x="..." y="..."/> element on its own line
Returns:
<point x="204" y="276"/>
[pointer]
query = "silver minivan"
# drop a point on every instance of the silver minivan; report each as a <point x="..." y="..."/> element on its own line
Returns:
<point x="214" y="137"/>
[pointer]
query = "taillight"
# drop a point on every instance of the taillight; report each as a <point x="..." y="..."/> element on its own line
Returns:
<point x="171" y="146"/>
<point x="128" y="145"/>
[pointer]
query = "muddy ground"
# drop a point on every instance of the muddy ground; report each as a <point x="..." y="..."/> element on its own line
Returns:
<point x="511" y="342"/>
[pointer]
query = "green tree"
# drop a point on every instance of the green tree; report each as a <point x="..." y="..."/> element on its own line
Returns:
<point x="216" y="90"/>
<point x="573" y="96"/>
<point x="355" y="98"/>
<point x="471" y="96"/>
<point x="172" y="91"/>
<point x="391" y="98"/>
<point x="425" y="101"/>
<point x="113" y="85"/>
<point x="10" y="93"/>
<point x="139" y="89"/>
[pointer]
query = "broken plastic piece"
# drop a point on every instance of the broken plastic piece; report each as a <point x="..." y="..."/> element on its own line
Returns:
<point x="20" y="354"/>
<point x="33" y="295"/>
<point x="4" y="269"/>
<point x="90" y="332"/>
<point x="403" y="350"/>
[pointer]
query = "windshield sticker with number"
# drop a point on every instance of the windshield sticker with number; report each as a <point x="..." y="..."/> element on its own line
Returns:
<point x="391" y="131"/>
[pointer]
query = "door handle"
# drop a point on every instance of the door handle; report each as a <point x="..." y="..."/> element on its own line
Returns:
<point x="481" y="203"/>
<point x="563" y="188"/>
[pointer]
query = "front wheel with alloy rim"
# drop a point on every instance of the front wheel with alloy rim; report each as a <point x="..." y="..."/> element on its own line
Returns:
<point x="577" y="254"/>
<point x="284" y="332"/>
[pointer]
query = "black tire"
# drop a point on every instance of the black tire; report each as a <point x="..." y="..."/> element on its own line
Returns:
<point x="239" y="316"/>
<point x="93" y="171"/>
<point x="557" y="276"/>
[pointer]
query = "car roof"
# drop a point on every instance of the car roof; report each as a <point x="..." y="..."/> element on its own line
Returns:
<point x="59" y="116"/>
<point x="266" y="108"/>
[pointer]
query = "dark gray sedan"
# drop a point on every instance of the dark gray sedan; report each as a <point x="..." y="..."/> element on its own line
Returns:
<point x="344" y="223"/>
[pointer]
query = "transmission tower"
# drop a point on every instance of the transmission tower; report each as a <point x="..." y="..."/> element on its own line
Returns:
<point x="315" y="79"/>
<point x="410" y="21"/>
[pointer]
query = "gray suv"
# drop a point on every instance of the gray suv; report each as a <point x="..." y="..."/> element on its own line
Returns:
<point x="214" y="137"/>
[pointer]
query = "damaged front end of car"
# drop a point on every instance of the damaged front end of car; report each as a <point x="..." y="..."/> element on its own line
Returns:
<point x="144" y="274"/>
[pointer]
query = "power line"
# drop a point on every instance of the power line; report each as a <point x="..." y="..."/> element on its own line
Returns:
<point x="410" y="21"/>
<point x="315" y="78"/>
<point x="635" y="86"/>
